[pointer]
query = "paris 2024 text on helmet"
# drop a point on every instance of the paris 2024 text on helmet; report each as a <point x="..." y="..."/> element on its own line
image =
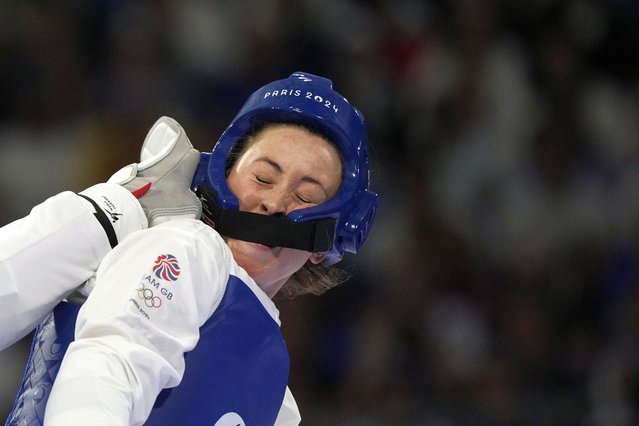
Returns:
<point x="339" y="225"/>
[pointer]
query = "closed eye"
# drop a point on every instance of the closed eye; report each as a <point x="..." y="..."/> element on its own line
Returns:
<point x="280" y="170"/>
<point x="303" y="200"/>
<point x="262" y="180"/>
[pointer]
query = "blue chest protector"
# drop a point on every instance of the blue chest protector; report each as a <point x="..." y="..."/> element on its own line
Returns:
<point x="240" y="365"/>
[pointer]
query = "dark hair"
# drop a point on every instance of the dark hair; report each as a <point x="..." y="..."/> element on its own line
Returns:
<point x="311" y="278"/>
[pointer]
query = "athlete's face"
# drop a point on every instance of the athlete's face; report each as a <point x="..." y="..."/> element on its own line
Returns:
<point x="284" y="168"/>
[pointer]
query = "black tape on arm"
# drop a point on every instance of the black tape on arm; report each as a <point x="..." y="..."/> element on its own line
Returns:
<point x="104" y="221"/>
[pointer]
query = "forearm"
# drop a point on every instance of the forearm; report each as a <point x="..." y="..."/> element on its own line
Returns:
<point x="50" y="252"/>
<point x="43" y="257"/>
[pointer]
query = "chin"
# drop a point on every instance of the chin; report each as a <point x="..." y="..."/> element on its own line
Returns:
<point x="255" y="252"/>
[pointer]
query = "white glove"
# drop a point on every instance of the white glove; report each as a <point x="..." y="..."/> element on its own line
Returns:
<point x="162" y="180"/>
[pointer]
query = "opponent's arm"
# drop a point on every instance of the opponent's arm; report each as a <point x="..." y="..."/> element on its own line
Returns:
<point x="53" y="250"/>
<point x="59" y="245"/>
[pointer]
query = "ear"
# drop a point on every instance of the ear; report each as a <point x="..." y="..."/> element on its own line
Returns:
<point x="317" y="258"/>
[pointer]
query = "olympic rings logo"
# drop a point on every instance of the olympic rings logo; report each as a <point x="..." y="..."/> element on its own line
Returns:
<point x="146" y="295"/>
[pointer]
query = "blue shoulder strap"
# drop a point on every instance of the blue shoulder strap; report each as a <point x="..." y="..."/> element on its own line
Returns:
<point x="239" y="366"/>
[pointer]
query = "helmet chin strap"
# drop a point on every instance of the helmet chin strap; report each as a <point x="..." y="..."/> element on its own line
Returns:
<point x="274" y="231"/>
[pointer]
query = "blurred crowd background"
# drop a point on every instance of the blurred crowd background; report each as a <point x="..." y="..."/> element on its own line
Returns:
<point x="500" y="283"/>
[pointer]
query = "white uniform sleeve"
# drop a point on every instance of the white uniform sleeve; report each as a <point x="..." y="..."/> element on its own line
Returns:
<point x="289" y="414"/>
<point x="53" y="250"/>
<point x="133" y="330"/>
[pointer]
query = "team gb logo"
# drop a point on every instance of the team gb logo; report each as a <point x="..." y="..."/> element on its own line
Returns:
<point x="167" y="267"/>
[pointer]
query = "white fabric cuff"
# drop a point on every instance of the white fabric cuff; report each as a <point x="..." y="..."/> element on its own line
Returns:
<point x="120" y="206"/>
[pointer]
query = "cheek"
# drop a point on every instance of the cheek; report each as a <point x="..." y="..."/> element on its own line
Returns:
<point x="241" y="191"/>
<point x="233" y="182"/>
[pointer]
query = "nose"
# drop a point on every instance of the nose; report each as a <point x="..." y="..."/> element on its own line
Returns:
<point x="274" y="204"/>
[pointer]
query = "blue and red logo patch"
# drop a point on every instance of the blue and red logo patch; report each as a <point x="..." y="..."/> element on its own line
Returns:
<point x="167" y="267"/>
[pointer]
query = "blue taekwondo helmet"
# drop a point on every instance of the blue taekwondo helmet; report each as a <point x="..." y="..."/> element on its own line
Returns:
<point x="308" y="100"/>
